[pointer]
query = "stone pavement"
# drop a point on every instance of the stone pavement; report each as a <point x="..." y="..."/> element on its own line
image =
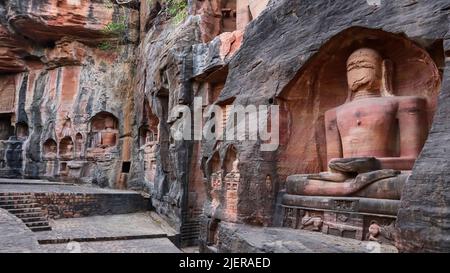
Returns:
<point x="106" y="227"/>
<point x="128" y="233"/>
<point x="30" y="181"/>
<point x="15" y="236"/>
<point x="157" y="245"/>
<point x="143" y="232"/>
<point x="124" y="233"/>
<point x="53" y="187"/>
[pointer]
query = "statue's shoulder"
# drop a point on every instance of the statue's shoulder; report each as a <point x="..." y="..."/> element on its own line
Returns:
<point x="332" y="112"/>
<point x="408" y="101"/>
<point x="417" y="99"/>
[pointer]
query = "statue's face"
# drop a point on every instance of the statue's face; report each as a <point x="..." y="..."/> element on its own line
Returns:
<point x="374" y="229"/>
<point x="364" y="70"/>
<point x="109" y="123"/>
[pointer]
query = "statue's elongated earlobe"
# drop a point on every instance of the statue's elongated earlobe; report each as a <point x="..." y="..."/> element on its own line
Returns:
<point x="387" y="78"/>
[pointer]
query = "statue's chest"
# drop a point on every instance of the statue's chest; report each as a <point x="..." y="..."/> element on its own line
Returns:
<point x="365" y="116"/>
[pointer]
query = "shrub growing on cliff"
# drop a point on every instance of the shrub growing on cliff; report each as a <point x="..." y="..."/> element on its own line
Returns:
<point x="178" y="10"/>
<point x="116" y="30"/>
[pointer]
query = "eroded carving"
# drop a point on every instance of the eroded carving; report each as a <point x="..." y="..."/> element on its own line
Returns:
<point x="370" y="138"/>
<point x="50" y="149"/>
<point x="103" y="136"/>
<point x="66" y="148"/>
<point x="232" y="181"/>
<point x="311" y="222"/>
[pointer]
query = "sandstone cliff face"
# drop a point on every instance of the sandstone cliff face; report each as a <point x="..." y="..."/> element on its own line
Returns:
<point x="73" y="67"/>
<point x="88" y="88"/>
<point x="48" y="21"/>
<point x="175" y="61"/>
<point x="277" y="60"/>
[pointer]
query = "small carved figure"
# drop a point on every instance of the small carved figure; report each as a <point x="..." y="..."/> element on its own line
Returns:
<point x="374" y="231"/>
<point x="314" y="221"/>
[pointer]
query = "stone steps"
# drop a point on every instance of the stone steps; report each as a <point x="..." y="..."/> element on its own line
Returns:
<point x="15" y="194"/>
<point x="28" y="214"/>
<point x="15" y="201"/>
<point x="33" y="219"/>
<point x="19" y="206"/>
<point x="24" y="207"/>
<point x="15" y="197"/>
<point x="190" y="230"/>
<point x="42" y="228"/>
<point x="24" y="210"/>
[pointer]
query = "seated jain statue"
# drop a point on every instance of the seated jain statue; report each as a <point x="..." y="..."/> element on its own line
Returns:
<point x="371" y="138"/>
<point x="109" y="134"/>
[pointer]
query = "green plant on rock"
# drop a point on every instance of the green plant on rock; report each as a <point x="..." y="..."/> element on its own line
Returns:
<point x="115" y="30"/>
<point x="178" y="10"/>
<point x="105" y="46"/>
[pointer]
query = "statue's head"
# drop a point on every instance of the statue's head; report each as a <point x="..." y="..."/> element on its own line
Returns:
<point x="109" y="123"/>
<point x="364" y="71"/>
<point x="374" y="229"/>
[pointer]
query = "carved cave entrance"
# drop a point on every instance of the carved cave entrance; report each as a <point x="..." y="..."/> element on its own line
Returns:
<point x="322" y="85"/>
<point x="6" y="129"/>
<point x="408" y="69"/>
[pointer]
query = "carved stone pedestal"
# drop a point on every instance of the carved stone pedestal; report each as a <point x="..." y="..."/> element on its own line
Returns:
<point x="349" y="217"/>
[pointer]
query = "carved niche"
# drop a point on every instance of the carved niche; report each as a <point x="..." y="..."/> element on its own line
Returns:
<point x="49" y="150"/>
<point x="148" y="141"/>
<point x="103" y="134"/>
<point x="231" y="180"/>
<point x="22" y="130"/>
<point x="6" y="129"/>
<point x="326" y="82"/>
<point x="216" y="173"/>
<point x="413" y="72"/>
<point x="66" y="148"/>
<point x="7" y="93"/>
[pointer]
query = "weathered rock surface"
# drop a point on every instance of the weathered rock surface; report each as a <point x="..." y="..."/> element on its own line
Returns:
<point x="275" y="54"/>
<point x="48" y="21"/>
<point x="80" y="102"/>
<point x="74" y="70"/>
<point x="11" y="50"/>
